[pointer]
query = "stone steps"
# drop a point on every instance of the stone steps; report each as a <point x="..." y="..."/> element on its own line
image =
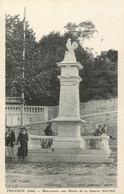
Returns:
<point x="65" y="160"/>
<point x="67" y="150"/>
<point x="67" y="155"/>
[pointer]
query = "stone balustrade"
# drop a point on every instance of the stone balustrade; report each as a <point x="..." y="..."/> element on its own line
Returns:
<point x="27" y="109"/>
<point x="34" y="109"/>
<point x="35" y="141"/>
<point x="13" y="108"/>
<point x="98" y="142"/>
<point x="32" y="114"/>
<point x="91" y="142"/>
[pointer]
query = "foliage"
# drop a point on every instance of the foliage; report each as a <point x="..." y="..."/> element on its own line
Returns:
<point x="14" y="56"/>
<point x="41" y="85"/>
<point x="99" y="78"/>
<point x="84" y="30"/>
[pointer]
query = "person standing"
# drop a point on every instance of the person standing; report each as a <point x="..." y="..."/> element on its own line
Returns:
<point x="9" y="142"/>
<point x="23" y="143"/>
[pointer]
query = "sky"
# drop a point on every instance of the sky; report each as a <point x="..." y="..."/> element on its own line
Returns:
<point x="45" y="16"/>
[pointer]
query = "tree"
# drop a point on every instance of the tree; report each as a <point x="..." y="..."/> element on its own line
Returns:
<point x="112" y="55"/>
<point x="14" y="41"/>
<point x="52" y="50"/>
<point x="99" y="77"/>
<point x="14" y="58"/>
<point x="84" y="30"/>
<point x="105" y="85"/>
<point x="41" y="85"/>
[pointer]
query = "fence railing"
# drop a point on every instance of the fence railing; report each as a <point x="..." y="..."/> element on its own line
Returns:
<point x="13" y="108"/>
<point x="27" y="109"/>
<point x="34" y="109"/>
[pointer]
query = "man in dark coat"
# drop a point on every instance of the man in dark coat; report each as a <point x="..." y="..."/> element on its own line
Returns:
<point x="98" y="131"/>
<point x="9" y="141"/>
<point x="48" y="131"/>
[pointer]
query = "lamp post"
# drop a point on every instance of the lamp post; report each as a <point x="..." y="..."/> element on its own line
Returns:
<point x="23" y="73"/>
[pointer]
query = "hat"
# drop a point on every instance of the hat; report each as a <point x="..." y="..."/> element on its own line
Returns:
<point x="8" y="126"/>
<point x="23" y="127"/>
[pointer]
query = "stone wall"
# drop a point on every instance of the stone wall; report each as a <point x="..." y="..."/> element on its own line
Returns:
<point x="93" y="112"/>
<point x="90" y="107"/>
<point x="98" y="106"/>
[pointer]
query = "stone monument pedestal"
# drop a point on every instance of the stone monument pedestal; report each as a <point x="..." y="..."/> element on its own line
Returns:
<point x="68" y="135"/>
<point x="68" y="121"/>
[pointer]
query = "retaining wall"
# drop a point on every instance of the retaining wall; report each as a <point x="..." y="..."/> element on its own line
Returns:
<point x="93" y="112"/>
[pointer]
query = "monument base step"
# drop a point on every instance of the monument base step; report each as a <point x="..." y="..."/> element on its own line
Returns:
<point x="67" y="155"/>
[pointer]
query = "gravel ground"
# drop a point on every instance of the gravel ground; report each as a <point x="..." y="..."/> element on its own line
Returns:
<point x="60" y="175"/>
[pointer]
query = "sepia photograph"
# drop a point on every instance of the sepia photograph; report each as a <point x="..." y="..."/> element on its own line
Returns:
<point x="61" y="95"/>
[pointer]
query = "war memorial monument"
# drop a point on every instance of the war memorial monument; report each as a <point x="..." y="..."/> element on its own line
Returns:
<point x="69" y="145"/>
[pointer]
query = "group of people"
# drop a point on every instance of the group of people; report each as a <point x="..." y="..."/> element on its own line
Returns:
<point x="10" y="141"/>
<point x="22" y="141"/>
<point x="102" y="130"/>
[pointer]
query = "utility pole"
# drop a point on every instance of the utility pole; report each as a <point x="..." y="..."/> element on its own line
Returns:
<point x="23" y="73"/>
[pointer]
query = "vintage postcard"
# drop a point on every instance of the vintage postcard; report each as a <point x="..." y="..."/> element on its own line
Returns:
<point x="61" y="96"/>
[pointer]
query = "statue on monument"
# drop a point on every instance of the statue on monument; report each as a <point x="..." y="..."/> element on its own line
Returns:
<point x="70" y="55"/>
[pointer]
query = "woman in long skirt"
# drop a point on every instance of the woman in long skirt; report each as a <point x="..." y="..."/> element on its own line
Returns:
<point x="23" y="141"/>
